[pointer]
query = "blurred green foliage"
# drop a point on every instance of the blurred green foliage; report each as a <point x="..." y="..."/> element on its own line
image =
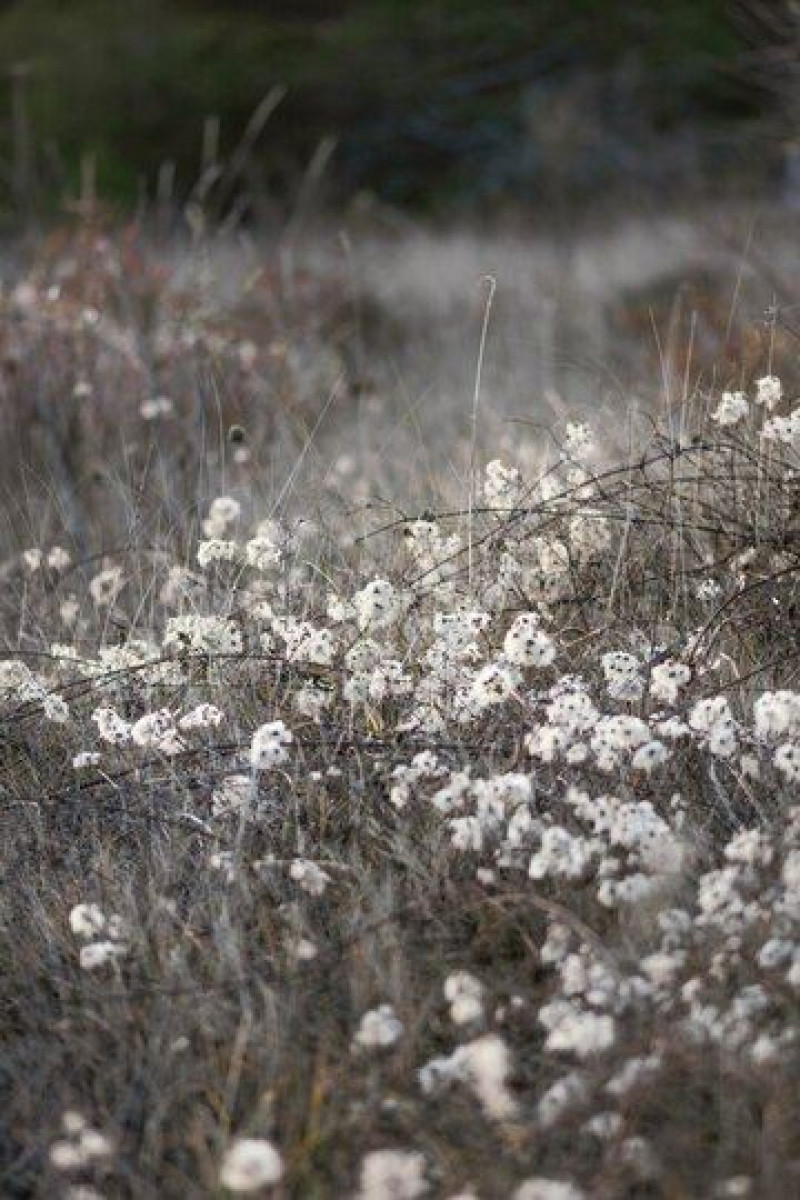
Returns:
<point x="441" y="99"/>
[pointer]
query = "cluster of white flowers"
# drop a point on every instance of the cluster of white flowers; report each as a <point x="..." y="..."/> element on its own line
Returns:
<point x="158" y="731"/>
<point x="622" y="672"/>
<point x="304" y="642"/>
<point x="526" y="645"/>
<point x="203" y="716"/>
<point x="19" y="686"/>
<point x="777" y="722"/>
<point x="769" y="391"/>
<point x="502" y="487"/>
<point x="55" y="559"/>
<point x="81" y="1146"/>
<point x="667" y="678"/>
<point x="203" y="635"/>
<point x="263" y="553"/>
<point x="393" y="1175"/>
<point x="217" y="550"/>
<point x="268" y="747"/>
<point x="377" y="605"/>
<point x="483" y="1065"/>
<point x="785" y="430"/>
<point x="107" y="938"/>
<point x="546" y="749"/>
<point x="464" y="993"/>
<point x="379" y="1029"/>
<point x="732" y="408"/>
<point x="224" y="511"/>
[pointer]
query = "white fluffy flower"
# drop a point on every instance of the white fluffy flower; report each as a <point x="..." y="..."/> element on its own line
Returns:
<point x="377" y="605"/>
<point x="85" y="758"/>
<point x="464" y="994"/>
<point x="502" y="486"/>
<point x="787" y="761"/>
<point x="649" y="756"/>
<point x="548" y="1189"/>
<point x="250" y="1165"/>
<point x="561" y="855"/>
<point x="106" y="586"/>
<point x="378" y="1029"/>
<point x="769" y="391"/>
<point x="262" y="553"/>
<point x="708" y="713"/>
<point x="203" y="635"/>
<point x="622" y="675"/>
<point x="222" y="513"/>
<point x="777" y="714"/>
<point x="81" y="1147"/>
<point x="578" y="441"/>
<point x="526" y="645"/>
<point x="667" y="678"/>
<point x="268" y="746"/>
<point x="784" y="429"/>
<point x="32" y="558"/>
<point x="155" y="729"/>
<point x="304" y="642"/>
<point x="100" y="954"/>
<point x="58" y="559"/>
<point x="732" y="408"/>
<point x="203" y="716"/>
<point x="111" y="727"/>
<point x="309" y="876"/>
<point x="484" y="1065"/>
<point x="576" y="1031"/>
<point x="392" y="1175"/>
<point x="155" y="407"/>
<point x="216" y="550"/>
<point x="87" y="920"/>
<point x="493" y="684"/>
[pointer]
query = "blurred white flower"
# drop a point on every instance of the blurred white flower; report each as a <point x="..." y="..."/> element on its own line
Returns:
<point x="100" y="954"/>
<point x="250" y="1165"/>
<point x="156" y="407"/>
<point x="392" y="1175"/>
<point x="548" y="1189"/>
<point x="203" y="716"/>
<point x="87" y="920"/>
<point x="464" y="993"/>
<point x="379" y="1028"/>
<point x="769" y="391"/>
<point x="106" y="586"/>
<point x="223" y="512"/>
<point x="310" y="877"/>
<point x="732" y="408"/>
<point x="216" y="550"/>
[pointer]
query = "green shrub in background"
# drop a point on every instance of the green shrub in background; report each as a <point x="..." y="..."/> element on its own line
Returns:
<point x="450" y="100"/>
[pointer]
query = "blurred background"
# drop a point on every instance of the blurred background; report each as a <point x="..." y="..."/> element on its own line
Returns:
<point x="255" y="109"/>
<point x="277" y="219"/>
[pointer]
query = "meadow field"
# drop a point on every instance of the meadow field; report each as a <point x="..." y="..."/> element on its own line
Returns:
<point x="400" y="711"/>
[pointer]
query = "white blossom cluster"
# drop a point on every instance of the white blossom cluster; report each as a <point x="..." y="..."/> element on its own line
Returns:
<point x="478" y="709"/>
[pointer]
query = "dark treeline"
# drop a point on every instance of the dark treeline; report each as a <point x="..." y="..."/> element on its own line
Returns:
<point x="447" y="102"/>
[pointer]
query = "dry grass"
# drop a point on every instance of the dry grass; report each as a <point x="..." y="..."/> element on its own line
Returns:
<point x="330" y="390"/>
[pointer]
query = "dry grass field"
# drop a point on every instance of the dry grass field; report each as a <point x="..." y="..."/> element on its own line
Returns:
<point x="400" y="714"/>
